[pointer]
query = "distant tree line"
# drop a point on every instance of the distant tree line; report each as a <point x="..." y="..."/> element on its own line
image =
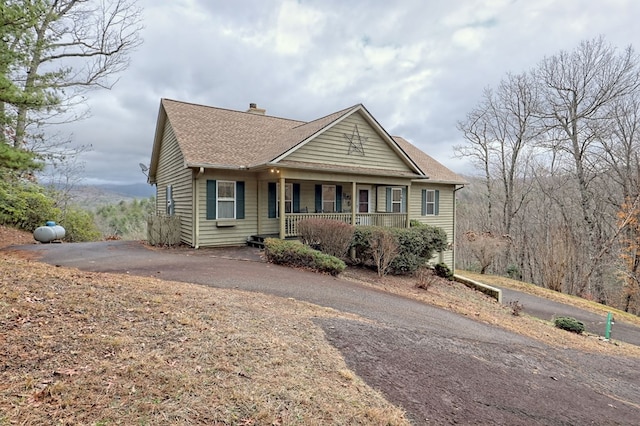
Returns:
<point x="125" y="220"/>
<point x="556" y="201"/>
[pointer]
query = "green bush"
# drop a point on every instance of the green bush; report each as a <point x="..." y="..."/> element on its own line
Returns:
<point x="442" y="270"/>
<point x="293" y="253"/>
<point x="513" y="272"/>
<point x="360" y="244"/>
<point x="25" y="205"/>
<point x="79" y="226"/>
<point x="413" y="251"/>
<point x="569" y="324"/>
<point x="416" y="246"/>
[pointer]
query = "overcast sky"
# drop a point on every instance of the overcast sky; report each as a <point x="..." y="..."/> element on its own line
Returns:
<point x="418" y="66"/>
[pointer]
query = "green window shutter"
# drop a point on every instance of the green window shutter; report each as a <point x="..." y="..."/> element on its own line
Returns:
<point x="239" y="200"/>
<point x="339" y="198"/>
<point x="389" y="208"/>
<point x="296" y="198"/>
<point x="437" y="207"/>
<point x="211" y="199"/>
<point x="424" y="202"/>
<point x="318" y="198"/>
<point x="271" y="199"/>
<point x="404" y="204"/>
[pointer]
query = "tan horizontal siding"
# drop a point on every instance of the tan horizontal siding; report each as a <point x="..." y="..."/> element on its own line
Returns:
<point x="212" y="235"/>
<point x="332" y="147"/>
<point x="171" y="171"/>
<point x="445" y="218"/>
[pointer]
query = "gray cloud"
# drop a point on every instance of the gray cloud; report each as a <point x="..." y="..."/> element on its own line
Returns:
<point x="418" y="66"/>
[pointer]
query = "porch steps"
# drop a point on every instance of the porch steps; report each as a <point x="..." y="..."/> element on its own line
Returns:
<point x="258" y="240"/>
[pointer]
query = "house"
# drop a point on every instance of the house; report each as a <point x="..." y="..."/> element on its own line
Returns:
<point x="233" y="175"/>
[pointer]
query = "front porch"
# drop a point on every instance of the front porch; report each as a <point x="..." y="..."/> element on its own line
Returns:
<point x="366" y="201"/>
<point x="393" y="220"/>
<point x="291" y="220"/>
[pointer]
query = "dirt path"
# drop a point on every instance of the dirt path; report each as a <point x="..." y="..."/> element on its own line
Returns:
<point x="441" y="367"/>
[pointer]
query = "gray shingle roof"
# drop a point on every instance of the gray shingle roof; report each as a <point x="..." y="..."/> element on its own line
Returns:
<point x="217" y="137"/>
<point x="221" y="137"/>
<point x="432" y="168"/>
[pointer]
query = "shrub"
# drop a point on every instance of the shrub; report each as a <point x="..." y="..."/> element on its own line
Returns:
<point x="360" y="244"/>
<point x="415" y="246"/>
<point x="79" y="226"/>
<point x="25" y="205"/>
<point x="516" y="307"/>
<point x="426" y="278"/>
<point x="513" y="272"/>
<point x="332" y="237"/>
<point x="292" y="253"/>
<point x="442" y="270"/>
<point x="384" y="249"/>
<point x="569" y="324"/>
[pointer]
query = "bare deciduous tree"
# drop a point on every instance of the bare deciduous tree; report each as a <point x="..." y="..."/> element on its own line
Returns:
<point x="558" y="149"/>
<point x="486" y="246"/>
<point x="72" y="46"/>
<point x="579" y="88"/>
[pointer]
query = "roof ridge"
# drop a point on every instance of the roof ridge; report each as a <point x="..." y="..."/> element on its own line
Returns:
<point x="338" y="114"/>
<point x="232" y="110"/>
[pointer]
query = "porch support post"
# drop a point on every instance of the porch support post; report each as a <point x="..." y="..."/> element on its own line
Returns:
<point x="281" y="208"/>
<point x="408" y="205"/>
<point x="258" y="200"/>
<point x="354" y="200"/>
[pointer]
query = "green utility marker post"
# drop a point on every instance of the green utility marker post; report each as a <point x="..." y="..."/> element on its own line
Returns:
<point x="607" y="331"/>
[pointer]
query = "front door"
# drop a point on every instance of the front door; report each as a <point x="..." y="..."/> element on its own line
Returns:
<point x="363" y="201"/>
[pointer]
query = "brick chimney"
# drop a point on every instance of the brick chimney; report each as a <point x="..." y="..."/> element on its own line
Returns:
<point x="253" y="109"/>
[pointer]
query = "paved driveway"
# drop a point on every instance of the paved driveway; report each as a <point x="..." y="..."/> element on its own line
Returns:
<point x="442" y="368"/>
<point x="548" y="310"/>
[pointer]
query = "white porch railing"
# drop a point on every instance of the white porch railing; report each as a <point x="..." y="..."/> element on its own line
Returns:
<point x="391" y="220"/>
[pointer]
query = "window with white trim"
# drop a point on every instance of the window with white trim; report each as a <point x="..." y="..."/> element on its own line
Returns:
<point x="288" y="198"/>
<point x="430" y="202"/>
<point x="328" y="198"/>
<point x="226" y="199"/>
<point x="396" y="200"/>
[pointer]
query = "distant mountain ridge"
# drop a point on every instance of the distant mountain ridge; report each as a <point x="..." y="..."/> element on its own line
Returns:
<point x="93" y="196"/>
<point x="136" y="190"/>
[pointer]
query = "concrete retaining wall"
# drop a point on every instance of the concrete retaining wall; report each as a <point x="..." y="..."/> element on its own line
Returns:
<point x="496" y="293"/>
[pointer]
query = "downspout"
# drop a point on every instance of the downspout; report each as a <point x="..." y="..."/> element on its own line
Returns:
<point x="196" y="209"/>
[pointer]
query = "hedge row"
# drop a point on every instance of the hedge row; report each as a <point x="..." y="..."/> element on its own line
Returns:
<point x="416" y="246"/>
<point x="294" y="253"/>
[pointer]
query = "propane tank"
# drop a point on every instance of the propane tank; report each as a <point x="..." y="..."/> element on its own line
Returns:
<point x="50" y="232"/>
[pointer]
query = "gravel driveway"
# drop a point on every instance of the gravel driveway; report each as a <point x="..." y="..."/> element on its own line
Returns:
<point x="442" y="368"/>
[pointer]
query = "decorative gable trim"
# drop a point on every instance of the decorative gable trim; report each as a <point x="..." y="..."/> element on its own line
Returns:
<point x="372" y="122"/>
<point x="315" y="134"/>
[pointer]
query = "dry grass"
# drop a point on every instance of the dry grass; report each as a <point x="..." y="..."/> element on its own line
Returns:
<point x="103" y="349"/>
<point x="458" y="298"/>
